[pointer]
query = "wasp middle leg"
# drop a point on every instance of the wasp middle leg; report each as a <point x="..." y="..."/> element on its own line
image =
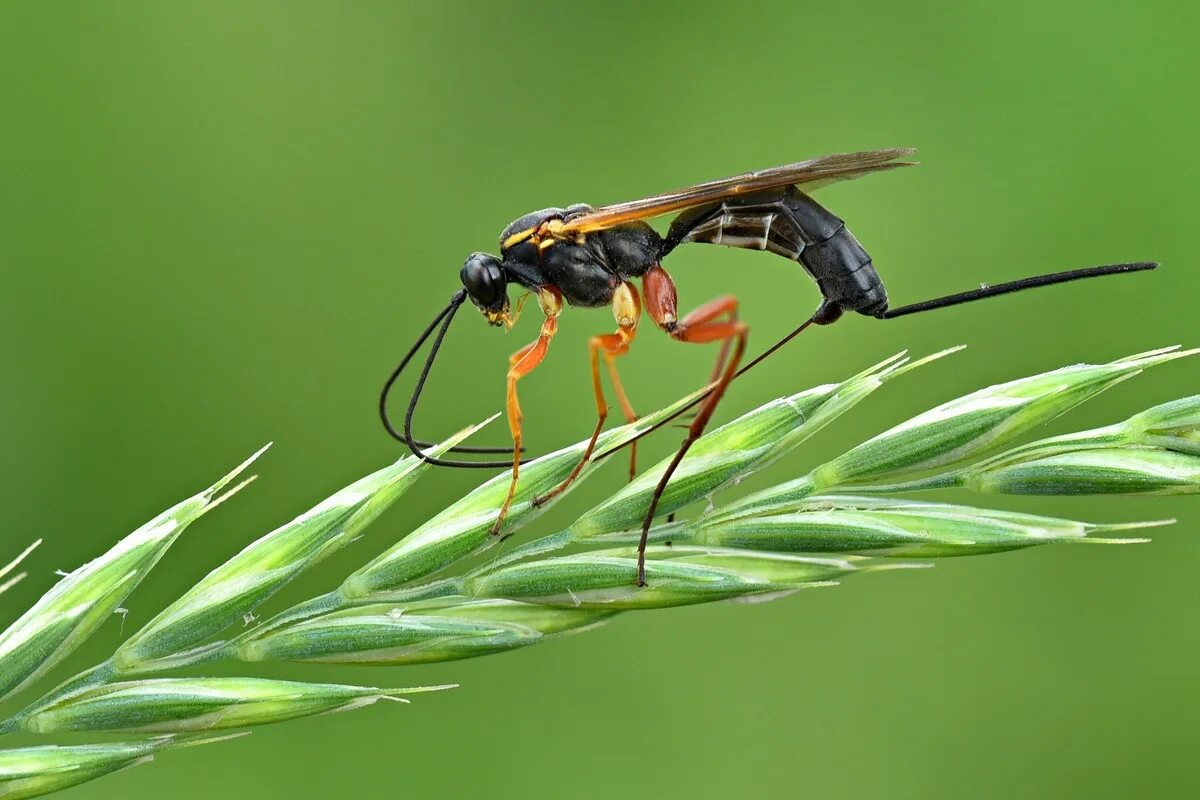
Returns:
<point x="701" y="326"/>
<point x="627" y="309"/>
<point x="523" y="362"/>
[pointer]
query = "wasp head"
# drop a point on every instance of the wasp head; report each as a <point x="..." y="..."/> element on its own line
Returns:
<point x="487" y="287"/>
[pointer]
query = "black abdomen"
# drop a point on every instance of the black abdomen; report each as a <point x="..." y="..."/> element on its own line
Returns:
<point x="834" y="258"/>
<point x="789" y="223"/>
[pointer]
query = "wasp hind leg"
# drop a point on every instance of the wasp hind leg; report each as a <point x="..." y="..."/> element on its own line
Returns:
<point x="718" y="369"/>
<point x="702" y="326"/>
<point x="627" y="309"/>
<point x="520" y="364"/>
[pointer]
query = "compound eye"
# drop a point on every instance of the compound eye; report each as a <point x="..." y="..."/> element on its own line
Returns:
<point x="484" y="280"/>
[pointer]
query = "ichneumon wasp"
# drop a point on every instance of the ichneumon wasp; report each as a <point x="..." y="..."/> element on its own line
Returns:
<point x="590" y="257"/>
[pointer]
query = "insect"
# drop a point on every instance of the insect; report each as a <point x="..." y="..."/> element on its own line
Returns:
<point x="595" y="257"/>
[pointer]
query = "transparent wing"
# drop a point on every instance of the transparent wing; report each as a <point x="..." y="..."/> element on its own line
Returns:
<point x="811" y="174"/>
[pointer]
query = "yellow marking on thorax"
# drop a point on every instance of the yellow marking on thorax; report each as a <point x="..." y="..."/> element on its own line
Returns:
<point x="517" y="238"/>
<point x="544" y="235"/>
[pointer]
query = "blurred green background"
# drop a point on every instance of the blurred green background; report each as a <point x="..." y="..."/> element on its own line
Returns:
<point x="222" y="222"/>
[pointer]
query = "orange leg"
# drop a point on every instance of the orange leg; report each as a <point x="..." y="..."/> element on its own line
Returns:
<point x="626" y="408"/>
<point x="521" y="363"/>
<point x="722" y="356"/>
<point x="516" y="357"/>
<point x="700" y="326"/>
<point x="718" y="368"/>
<point x="627" y="308"/>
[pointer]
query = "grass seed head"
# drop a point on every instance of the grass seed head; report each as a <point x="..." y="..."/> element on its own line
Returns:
<point x="1115" y="470"/>
<point x="888" y="527"/>
<point x="83" y="600"/>
<point x="182" y="705"/>
<point x="243" y="582"/>
<point x="739" y="449"/>
<point x="530" y="596"/>
<point x="443" y="630"/>
<point x="1172" y="426"/>
<point x="465" y="528"/>
<point x="675" y="576"/>
<point x="982" y="421"/>
<point x="36" y="771"/>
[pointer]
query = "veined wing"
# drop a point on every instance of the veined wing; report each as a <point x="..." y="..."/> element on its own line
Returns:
<point x="808" y="175"/>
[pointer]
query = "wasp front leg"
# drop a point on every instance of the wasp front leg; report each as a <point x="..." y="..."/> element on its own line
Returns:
<point x="523" y="362"/>
<point x="627" y="309"/>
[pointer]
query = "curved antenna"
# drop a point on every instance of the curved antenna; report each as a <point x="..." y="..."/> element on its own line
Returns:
<point x="449" y="313"/>
<point x="444" y="317"/>
<point x="412" y="351"/>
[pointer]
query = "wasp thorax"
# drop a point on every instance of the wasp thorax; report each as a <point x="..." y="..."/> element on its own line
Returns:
<point x="484" y="281"/>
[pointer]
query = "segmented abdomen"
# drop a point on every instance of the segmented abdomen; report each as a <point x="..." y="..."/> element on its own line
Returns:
<point x="791" y="224"/>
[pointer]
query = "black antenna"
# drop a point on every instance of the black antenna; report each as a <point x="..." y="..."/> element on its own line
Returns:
<point x="444" y="317"/>
<point x="985" y="292"/>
